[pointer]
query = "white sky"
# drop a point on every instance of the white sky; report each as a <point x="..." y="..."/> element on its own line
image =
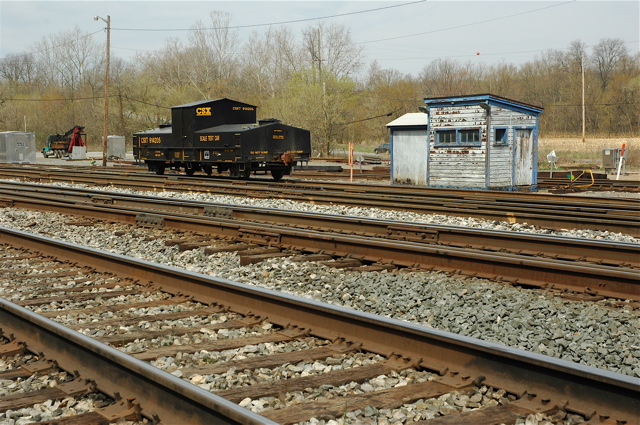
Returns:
<point x="406" y="37"/>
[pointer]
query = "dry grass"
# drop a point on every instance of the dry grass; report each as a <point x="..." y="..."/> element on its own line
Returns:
<point x="571" y="152"/>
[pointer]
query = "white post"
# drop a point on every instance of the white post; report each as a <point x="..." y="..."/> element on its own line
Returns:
<point x="620" y="160"/>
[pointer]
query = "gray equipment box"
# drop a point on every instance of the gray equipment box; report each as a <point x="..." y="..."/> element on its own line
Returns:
<point x="610" y="158"/>
<point x="17" y="147"/>
<point x="116" y="147"/>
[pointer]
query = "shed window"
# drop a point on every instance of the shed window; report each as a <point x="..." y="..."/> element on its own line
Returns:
<point x="446" y="137"/>
<point x="460" y="136"/>
<point x="500" y="136"/>
<point x="469" y="136"/>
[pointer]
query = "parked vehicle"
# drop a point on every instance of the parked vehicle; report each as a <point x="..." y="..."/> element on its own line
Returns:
<point x="61" y="145"/>
<point x="383" y="148"/>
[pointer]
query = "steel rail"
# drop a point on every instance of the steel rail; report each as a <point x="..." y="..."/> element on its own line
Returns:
<point x="160" y="395"/>
<point x="119" y="177"/>
<point x="544" y="181"/>
<point x="546" y="211"/>
<point x="599" y="251"/>
<point x="595" y="279"/>
<point x="591" y="392"/>
<point x="585" y="184"/>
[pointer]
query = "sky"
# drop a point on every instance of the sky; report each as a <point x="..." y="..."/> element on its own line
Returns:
<point x="403" y="35"/>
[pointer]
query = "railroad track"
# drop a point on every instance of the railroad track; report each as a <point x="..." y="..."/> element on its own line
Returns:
<point x="111" y="385"/>
<point x="378" y="173"/>
<point x="591" y="267"/>
<point x="86" y="289"/>
<point x="547" y="211"/>
<point x="562" y="185"/>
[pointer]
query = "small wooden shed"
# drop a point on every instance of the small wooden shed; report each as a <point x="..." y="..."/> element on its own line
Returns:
<point x="475" y="142"/>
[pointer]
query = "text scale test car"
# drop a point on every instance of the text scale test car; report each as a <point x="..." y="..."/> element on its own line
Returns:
<point x="222" y="134"/>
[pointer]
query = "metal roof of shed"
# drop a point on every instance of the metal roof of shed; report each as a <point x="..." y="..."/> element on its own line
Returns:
<point x="475" y="99"/>
<point x="410" y="120"/>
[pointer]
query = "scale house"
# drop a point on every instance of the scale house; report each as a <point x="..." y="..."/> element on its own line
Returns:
<point x="468" y="142"/>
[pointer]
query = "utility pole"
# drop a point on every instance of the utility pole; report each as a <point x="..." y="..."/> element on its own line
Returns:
<point x="106" y="90"/>
<point x="583" y="109"/>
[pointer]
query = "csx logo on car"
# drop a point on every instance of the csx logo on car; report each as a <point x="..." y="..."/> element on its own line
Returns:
<point x="203" y="111"/>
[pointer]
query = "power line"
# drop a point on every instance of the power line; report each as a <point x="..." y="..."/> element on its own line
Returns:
<point x="56" y="45"/>
<point x="143" y="102"/>
<point x="230" y="27"/>
<point x="294" y="21"/>
<point x="388" y="114"/>
<point x="436" y="56"/>
<point x="86" y="98"/>
<point x="56" y="100"/>
<point x="467" y="25"/>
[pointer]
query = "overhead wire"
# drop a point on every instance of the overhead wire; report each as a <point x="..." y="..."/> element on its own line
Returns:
<point x="468" y="25"/>
<point x="57" y="45"/>
<point x="329" y="17"/>
<point x="62" y="99"/>
<point x="293" y="21"/>
<point x="229" y="27"/>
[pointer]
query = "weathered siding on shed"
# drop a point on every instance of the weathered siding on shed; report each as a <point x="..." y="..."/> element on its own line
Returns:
<point x="503" y="117"/>
<point x="504" y="167"/>
<point x="457" y="166"/>
<point x="451" y="169"/>
<point x="457" y="116"/>
<point x="501" y="157"/>
<point x="409" y="156"/>
<point x="501" y="160"/>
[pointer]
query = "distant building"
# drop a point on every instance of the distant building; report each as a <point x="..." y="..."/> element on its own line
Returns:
<point x="475" y="142"/>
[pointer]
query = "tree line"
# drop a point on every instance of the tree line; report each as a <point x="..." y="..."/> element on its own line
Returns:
<point x="318" y="80"/>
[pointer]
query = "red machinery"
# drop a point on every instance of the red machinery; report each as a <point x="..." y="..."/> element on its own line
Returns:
<point x="60" y="145"/>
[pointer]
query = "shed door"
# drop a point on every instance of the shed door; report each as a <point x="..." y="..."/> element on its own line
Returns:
<point x="523" y="164"/>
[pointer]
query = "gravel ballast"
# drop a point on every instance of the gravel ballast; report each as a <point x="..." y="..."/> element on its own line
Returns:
<point x="592" y="333"/>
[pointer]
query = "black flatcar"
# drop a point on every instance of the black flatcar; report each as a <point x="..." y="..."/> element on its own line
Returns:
<point x="222" y="134"/>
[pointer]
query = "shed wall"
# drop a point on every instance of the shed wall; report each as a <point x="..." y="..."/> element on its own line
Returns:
<point x="457" y="166"/>
<point x="505" y="169"/>
<point x="409" y="156"/>
<point x="491" y="164"/>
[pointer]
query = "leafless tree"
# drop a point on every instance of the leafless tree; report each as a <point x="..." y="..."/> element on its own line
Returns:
<point x="213" y="54"/>
<point x="17" y="69"/>
<point x="269" y="61"/>
<point x="446" y="77"/>
<point x="608" y="54"/>
<point x="69" y="60"/>
<point x="331" y="50"/>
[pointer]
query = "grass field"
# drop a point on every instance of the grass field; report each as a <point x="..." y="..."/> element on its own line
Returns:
<point x="572" y="152"/>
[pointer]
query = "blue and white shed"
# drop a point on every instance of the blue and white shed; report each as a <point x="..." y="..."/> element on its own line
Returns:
<point x="476" y="142"/>
<point x="409" y="149"/>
